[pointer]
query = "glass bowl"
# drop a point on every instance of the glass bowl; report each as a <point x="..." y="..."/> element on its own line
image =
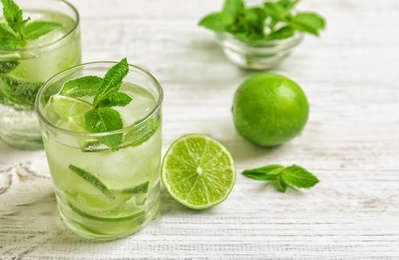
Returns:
<point x="259" y="55"/>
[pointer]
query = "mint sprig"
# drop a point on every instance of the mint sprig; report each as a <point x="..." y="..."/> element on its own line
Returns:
<point x="102" y="117"/>
<point x="18" y="31"/>
<point x="13" y="15"/>
<point x="293" y="176"/>
<point x="111" y="83"/>
<point x="270" y="21"/>
<point x="14" y="35"/>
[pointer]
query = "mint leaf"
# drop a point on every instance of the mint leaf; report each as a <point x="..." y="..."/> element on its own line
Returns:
<point x="6" y="30"/>
<point x="255" y="22"/>
<point x="233" y="7"/>
<point x="288" y="5"/>
<point x="282" y="33"/>
<point x="34" y="30"/>
<point x="308" y="22"/>
<point x="294" y="176"/>
<point x="83" y="86"/>
<point x="17" y="31"/>
<point x="117" y="99"/>
<point x="276" y="11"/>
<point x="297" y="176"/>
<point x="312" y="19"/>
<point x="217" y="21"/>
<point x="9" y="39"/>
<point x="112" y="81"/>
<point x="120" y="99"/>
<point x="250" y="25"/>
<point x="281" y="185"/>
<point x="13" y="15"/>
<point x="105" y="119"/>
<point x="269" y="172"/>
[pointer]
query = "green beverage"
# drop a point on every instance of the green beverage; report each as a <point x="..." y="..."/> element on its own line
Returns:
<point x="106" y="182"/>
<point x="27" y="61"/>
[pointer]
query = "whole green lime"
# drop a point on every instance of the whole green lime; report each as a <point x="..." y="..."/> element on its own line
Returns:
<point x="269" y="109"/>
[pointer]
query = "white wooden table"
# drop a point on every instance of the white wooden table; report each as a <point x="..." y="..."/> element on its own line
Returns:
<point x="351" y="141"/>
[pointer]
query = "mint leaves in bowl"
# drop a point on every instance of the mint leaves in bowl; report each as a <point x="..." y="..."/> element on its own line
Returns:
<point x="261" y="37"/>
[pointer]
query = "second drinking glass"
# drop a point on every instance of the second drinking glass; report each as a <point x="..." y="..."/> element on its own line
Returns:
<point x="23" y="70"/>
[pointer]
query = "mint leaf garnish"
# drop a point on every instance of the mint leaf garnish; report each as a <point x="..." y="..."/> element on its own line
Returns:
<point x="13" y="15"/>
<point x="112" y="81"/>
<point x="34" y="30"/>
<point x="17" y="31"/>
<point x="271" y="21"/>
<point x="119" y="99"/>
<point x="105" y="119"/>
<point x="83" y="86"/>
<point x="9" y="39"/>
<point x="293" y="176"/>
<point x="13" y="36"/>
<point x="101" y="117"/>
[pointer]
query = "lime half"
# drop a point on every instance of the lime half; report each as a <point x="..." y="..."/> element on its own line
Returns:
<point x="198" y="171"/>
<point x="71" y="111"/>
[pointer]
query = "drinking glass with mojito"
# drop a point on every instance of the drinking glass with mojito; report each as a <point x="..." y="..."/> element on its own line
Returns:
<point x="101" y="126"/>
<point x="37" y="40"/>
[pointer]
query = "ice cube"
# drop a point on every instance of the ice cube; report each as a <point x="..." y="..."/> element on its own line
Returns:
<point x="48" y="38"/>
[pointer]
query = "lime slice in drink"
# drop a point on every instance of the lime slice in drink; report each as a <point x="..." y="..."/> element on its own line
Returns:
<point x="67" y="112"/>
<point x="198" y="171"/>
<point x="116" y="219"/>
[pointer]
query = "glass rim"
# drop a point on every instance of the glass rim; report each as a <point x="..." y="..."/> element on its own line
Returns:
<point x="74" y="27"/>
<point x="134" y="125"/>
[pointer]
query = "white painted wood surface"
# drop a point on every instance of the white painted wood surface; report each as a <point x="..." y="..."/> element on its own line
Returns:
<point x="351" y="141"/>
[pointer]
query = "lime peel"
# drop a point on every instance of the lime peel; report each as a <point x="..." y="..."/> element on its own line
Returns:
<point x="89" y="177"/>
<point x="120" y="219"/>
